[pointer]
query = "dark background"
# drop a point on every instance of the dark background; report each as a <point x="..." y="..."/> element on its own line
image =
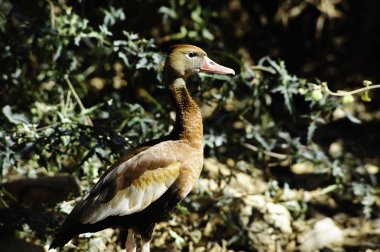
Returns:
<point x="48" y="153"/>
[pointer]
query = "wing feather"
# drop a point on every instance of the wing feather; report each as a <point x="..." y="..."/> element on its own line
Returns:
<point x="137" y="196"/>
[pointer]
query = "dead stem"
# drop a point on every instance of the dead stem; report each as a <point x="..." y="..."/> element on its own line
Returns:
<point x="344" y="93"/>
<point x="268" y="153"/>
<point x="87" y="119"/>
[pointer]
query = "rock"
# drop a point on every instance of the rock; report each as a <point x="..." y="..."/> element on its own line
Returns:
<point x="97" y="83"/>
<point x="257" y="201"/>
<point x="339" y="114"/>
<point x="275" y="214"/>
<point x="261" y="237"/>
<point x="243" y="184"/>
<point x="302" y="168"/>
<point x="239" y="184"/>
<point x="207" y="109"/>
<point x="268" y="224"/>
<point x="324" y="233"/>
<point x="207" y="185"/>
<point x="279" y="216"/>
<point x="372" y="169"/>
<point x="215" y="169"/>
<point x="336" y="149"/>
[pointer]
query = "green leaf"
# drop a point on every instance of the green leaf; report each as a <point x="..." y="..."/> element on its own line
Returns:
<point x="14" y="118"/>
<point x="142" y="63"/>
<point x="311" y="130"/>
<point x="167" y="12"/>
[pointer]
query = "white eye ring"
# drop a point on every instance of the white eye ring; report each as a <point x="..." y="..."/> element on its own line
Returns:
<point x="191" y="55"/>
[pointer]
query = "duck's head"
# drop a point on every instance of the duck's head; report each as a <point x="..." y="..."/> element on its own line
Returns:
<point x="184" y="60"/>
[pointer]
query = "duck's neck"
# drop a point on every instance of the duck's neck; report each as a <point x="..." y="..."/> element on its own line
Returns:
<point x="188" y="124"/>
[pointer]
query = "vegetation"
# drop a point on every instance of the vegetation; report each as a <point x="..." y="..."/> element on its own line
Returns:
<point x="81" y="83"/>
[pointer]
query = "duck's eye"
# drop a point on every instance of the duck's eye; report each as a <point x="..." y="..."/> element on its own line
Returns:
<point x="192" y="55"/>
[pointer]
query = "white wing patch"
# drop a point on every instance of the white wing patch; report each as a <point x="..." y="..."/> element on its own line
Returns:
<point x="150" y="186"/>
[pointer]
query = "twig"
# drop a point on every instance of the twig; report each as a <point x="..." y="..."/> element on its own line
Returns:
<point x="49" y="126"/>
<point x="87" y="119"/>
<point x="344" y="93"/>
<point x="52" y="15"/>
<point x="268" y="153"/>
<point x="256" y="149"/>
<point x="263" y="68"/>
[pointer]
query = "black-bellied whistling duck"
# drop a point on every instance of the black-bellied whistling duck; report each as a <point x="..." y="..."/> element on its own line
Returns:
<point x="145" y="184"/>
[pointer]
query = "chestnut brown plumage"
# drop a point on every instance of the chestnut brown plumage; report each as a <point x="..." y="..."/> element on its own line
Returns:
<point x="145" y="184"/>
